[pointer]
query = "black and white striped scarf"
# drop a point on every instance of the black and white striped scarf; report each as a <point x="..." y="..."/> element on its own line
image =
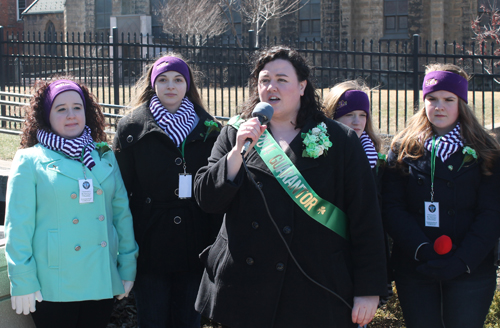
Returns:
<point x="177" y="125"/>
<point x="73" y="148"/>
<point x="369" y="148"/>
<point x="448" y="144"/>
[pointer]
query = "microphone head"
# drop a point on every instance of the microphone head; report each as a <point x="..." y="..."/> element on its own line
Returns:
<point x="264" y="112"/>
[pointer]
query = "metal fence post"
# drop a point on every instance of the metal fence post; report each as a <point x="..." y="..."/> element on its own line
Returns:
<point x="416" y="87"/>
<point x="116" y="75"/>
<point x="2" y="74"/>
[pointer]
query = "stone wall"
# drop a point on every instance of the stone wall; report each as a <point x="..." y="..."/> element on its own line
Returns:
<point x="79" y="16"/>
<point x="38" y="23"/>
<point x="368" y="20"/>
<point x="441" y="20"/>
<point x="131" y="7"/>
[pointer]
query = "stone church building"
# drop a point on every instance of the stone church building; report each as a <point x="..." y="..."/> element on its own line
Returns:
<point x="433" y="20"/>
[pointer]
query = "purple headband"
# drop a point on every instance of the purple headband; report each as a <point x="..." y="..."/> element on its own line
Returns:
<point x="167" y="63"/>
<point x="448" y="81"/>
<point x="352" y="100"/>
<point x="56" y="88"/>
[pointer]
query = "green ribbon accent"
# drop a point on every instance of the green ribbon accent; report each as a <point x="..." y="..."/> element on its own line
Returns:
<point x="433" y="163"/>
<point x="296" y="186"/>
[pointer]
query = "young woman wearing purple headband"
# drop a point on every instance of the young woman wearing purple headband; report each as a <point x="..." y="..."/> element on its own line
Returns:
<point x="160" y="145"/>
<point x="348" y="103"/>
<point x="70" y="241"/>
<point x="441" y="206"/>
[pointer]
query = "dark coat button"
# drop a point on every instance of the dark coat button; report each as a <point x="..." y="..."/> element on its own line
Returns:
<point x="250" y="261"/>
<point x="451" y="212"/>
<point x="130" y="139"/>
<point x="259" y="184"/>
<point x="177" y="220"/>
<point x="178" y="161"/>
<point x="450" y="184"/>
<point x="255" y="225"/>
<point x="148" y="200"/>
<point x="280" y="266"/>
<point x="420" y="181"/>
<point x="287" y="230"/>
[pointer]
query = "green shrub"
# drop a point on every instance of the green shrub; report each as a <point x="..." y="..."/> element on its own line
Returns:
<point x="493" y="317"/>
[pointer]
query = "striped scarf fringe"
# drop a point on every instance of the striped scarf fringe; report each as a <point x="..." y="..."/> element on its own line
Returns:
<point x="448" y="144"/>
<point x="73" y="148"/>
<point x="178" y="125"/>
<point x="369" y="148"/>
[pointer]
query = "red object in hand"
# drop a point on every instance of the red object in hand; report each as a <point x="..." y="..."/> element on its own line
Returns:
<point x="442" y="245"/>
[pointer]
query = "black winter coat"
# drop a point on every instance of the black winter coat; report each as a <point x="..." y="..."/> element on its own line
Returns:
<point x="469" y="209"/>
<point x="250" y="279"/>
<point x="171" y="232"/>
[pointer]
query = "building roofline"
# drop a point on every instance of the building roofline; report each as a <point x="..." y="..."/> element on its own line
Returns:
<point x="29" y="7"/>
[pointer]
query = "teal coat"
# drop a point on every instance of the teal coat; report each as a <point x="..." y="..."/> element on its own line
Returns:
<point x="69" y="251"/>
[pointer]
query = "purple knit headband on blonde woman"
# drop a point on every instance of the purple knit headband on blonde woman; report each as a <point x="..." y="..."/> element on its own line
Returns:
<point x="447" y="81"/>
<point x="56" y="88"/>
<point x="169" y="63"/>
<point x="352" y="100"/>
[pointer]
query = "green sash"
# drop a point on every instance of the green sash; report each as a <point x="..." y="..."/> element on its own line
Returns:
<point x="296" y="186"/>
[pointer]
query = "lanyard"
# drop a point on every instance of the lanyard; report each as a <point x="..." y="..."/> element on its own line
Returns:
<point x="182" y="154"/>
<point x="433" y="163"/>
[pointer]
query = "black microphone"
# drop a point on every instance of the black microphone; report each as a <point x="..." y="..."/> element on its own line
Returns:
<point x="264" y="112"/>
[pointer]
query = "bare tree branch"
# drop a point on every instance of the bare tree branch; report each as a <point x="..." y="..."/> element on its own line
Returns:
<point x="486" y="29"/>
<point x="259" y="12"/>
<point x="228" y="7"/>
<point x="201" y="18"/>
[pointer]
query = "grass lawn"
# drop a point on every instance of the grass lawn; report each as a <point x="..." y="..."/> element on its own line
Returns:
<point x="8" y="145"/>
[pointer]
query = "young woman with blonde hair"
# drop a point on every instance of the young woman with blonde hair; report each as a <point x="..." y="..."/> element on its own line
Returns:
<point x="441" y="206"/>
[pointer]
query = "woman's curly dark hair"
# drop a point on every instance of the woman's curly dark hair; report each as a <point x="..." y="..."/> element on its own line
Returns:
<point x="35" y="120"/>
<point x="310" y="103"/>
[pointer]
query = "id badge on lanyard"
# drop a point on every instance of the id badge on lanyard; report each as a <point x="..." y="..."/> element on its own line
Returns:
<point x="432" y="207"/>
<point x="185" y="179"/>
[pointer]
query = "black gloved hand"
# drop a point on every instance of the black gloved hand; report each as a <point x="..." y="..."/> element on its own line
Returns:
<point x="427" y="253"/>
<point x="445" y="269"/>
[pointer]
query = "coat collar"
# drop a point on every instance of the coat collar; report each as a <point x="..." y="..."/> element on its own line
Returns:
<point x="141" y="122"/>
<point x="447" y="170"/>
<point x="54" y="161"/>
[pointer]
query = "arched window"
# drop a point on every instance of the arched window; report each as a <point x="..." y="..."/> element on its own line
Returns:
<point x="50" y="30"/>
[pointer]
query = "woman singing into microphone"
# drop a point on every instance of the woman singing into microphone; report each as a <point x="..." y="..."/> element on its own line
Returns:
<point x="321" y="195"/>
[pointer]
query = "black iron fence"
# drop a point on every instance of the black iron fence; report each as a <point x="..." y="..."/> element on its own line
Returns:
<point x="111" y="64"/>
